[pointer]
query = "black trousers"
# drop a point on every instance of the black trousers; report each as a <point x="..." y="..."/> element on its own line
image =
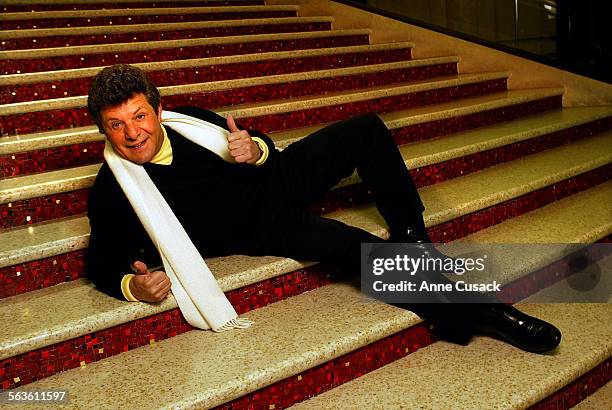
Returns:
<point x="309" y="168"/>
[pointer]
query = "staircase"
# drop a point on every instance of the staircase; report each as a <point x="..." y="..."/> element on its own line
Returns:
<point x="493" y="163"/>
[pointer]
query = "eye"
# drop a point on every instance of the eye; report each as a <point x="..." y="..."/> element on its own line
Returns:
<point x="140" y="116"/>
<point x="115" y="125"/>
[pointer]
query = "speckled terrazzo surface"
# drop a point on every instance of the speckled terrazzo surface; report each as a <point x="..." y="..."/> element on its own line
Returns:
<point x="517" y="177"/>
<point x="416" y="154"/>
<point x="138" y="11"/>
<point x="540" y="227"/>
<point x="430" y="152"/>
<point x="133" y="28"/>
<point x="267" y="108"/>
<point x="444" y="201"/>
<point x="58" y="313"/>
<point x="600" y="400"/>
<point x="33" y="186"/>
<point x="122" y="47"/>
<point x="486" y="374"/>
<point x="393" y="120"/>
<point x="230" y="59"/>
<point x="50" y="139"/>
<point x="206" y="369"/>
<point x="591" y="285"/>
<point x="248" y="110"/>
<point x="43" y="240"/>
<point x="90" y="310"/>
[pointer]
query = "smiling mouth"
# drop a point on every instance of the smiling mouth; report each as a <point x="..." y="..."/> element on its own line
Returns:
<point x="137" y="146"/>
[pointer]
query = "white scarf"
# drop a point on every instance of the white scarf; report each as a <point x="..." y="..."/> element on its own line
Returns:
<point x="195" y="289"/>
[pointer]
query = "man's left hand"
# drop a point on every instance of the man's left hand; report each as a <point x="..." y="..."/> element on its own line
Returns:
<point x="242" y="147"/>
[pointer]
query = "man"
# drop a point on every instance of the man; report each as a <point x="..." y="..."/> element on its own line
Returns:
<point x="257" y="205"/>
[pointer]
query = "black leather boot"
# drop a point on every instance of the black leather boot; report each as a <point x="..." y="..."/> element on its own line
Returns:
<point x="505" y="322"/>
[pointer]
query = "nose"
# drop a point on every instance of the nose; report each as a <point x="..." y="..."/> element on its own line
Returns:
<point x="131" y="131"/>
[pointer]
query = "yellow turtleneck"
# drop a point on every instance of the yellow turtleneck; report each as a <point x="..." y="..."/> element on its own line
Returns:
<point x="164" y="155"/>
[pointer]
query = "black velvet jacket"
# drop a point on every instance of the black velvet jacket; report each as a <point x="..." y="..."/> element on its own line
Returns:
<point x="210" y="197"/>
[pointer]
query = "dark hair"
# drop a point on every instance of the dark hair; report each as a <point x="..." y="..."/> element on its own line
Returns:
<point x="116" y="84"/>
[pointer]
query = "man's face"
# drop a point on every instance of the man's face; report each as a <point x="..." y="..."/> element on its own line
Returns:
<point x="134" y="129"/>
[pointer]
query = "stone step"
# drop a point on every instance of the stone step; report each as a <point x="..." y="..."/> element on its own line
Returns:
<point x="78" y="57"/>
<point x="288" y="337"/>
<point x="269" y="56"/>
<point x="314" y="90"/>
<point x="532" y="227"/>
<point x="449" y="205"/>
<point x="38" y="152"/>
<point x="14" y="6"/>
<point x="101" y="17"/>
<point x="420" y="157"/>
<point x="405" y="118"/>
<point x="486" y="373"/>
<point x="75" y="36"/>
<point x="58" y="84"/>
<point x="600" y="400"/>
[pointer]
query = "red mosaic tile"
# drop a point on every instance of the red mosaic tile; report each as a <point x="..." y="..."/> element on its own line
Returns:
<point x="446" y="232"/>
<point x="139" y="19"/>
<point x="157" y="53"/>
<point x="60" y="119"/>
<point x="43" y="208"/>
<point x="42" y="273"/>
<point x="44" y="362"/>
<point x="358" y="194"/>
<point x="335" y="372"/>
<point x="80" y="86"/>
<point x="607" y="239"/>
<point x="317" y="87"/>
<point x="578" y="390"/>
<point x="80" y="40"/>
<point x="553" y="273"/>
<point x="312" y="116"/>
<point x="443" y="171"/>
<point x="15" y="8"/>
<point x="50" y="159"/>
<point x="476" y="221"/>
<point x="73" y="155"/>
<point x="31" y="366"/>
<point x="429" y="130"/>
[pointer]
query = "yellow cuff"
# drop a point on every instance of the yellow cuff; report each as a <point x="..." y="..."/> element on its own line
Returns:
<point x="125" y="287"/>
<point x="265" y="151"/>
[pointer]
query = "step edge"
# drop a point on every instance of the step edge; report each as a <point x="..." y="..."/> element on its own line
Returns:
<point x="143" y="310"/>
<point x="294" y="362"/>
<point x="163" y="44"/>
<point x="81" y="134"/>
<point x="76" y="73"/>
<point x="22" y="188"/>
<point x="315" y="100"/>
<point x="145" y="11"/>
<point x="8" y="257"/>
<point x="8" y="35"/>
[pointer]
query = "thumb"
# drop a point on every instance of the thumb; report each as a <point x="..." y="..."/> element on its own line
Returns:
<point x="231" y="124"/>
<point x="140" y="268"/>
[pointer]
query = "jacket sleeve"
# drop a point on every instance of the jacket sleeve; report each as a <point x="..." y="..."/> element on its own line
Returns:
<point x="220" y="121"/>
<point x="117" y="237"/>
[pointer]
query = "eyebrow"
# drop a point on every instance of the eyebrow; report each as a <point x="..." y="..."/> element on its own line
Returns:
<point x="134" y="113"/>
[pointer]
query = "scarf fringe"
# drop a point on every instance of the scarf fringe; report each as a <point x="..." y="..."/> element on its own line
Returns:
<point x="238" y="323"/>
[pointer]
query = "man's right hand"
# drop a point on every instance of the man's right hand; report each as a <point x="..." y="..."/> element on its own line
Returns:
<point x="149" y="286"/>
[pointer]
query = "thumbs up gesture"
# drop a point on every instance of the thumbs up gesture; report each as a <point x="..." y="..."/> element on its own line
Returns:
<point x="242" y="147"/>
<point x="149" y="286"/>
